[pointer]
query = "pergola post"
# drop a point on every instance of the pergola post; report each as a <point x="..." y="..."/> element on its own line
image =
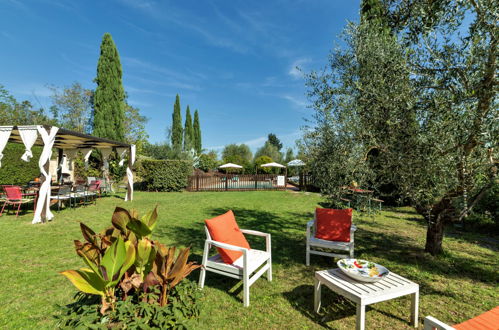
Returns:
<point x="60" y="155"/>
<point x="42" y="212"/>
<point x="129" y="173"/>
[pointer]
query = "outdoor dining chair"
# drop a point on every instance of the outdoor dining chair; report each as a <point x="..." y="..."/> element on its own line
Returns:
<point x="79" y="194"/>
<point x="63" y="194"/>
<point x="235" y="258"/>
<point x="92" y="192"/>
<point x="14" y="196"/>
<point x="330" y="230"/>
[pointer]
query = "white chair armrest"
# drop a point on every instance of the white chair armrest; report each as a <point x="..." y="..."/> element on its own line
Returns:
<point x="310" y="223"/>
<point x="431" y="323"/>
<point x="254" y="232"/>
<point x="353" y="227"/>
<point x="227" y="246"/>
<point x="259" y="233"/>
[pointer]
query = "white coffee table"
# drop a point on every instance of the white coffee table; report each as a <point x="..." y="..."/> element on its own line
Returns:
<point x="363" y="294"/>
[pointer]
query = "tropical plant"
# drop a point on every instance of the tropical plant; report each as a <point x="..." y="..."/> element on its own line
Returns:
<point x="104" y="273"/>
<point x="124" y="261"/>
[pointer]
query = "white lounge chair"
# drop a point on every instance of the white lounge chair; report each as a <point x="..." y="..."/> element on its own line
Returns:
<point x="252" y="261"/>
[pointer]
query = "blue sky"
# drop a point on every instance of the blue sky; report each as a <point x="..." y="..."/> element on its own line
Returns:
<point x="234" y="61"/>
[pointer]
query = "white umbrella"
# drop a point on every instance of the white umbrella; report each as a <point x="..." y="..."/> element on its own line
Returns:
<point x="296" y="162"/>
<point x="230" y="165"/>
<point x="273" y="165"/>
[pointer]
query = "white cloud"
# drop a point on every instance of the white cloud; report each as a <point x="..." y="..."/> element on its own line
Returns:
<point x="296" y="68"/>
<point x="296" y="101"/>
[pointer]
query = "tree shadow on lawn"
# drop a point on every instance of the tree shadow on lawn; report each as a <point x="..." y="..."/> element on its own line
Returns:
<point x="287" y="233"/>
<point x="333" y="306"/>
<point x="402" y="250"/>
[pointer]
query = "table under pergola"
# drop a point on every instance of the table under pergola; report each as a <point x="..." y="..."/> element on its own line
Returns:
<point x="67" y="143"/>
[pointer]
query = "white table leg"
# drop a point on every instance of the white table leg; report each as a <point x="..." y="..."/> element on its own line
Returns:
<point x="415" y="308"/>
<point x="361" y="317"/>
<point x="317" y="295"/>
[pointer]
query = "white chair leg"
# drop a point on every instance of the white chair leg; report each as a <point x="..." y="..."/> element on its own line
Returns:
<point x="202" y="274"/>
<point x="307" y="257"/>
<point x="202" y="277"/>
<point x="269" y="271"/>
<point x="246" y="293"/>
<point x="351" y="250"/>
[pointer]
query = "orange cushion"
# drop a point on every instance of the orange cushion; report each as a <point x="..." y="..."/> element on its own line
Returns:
<point x="224" y="229"/>
<point x="333" y="225"/>
<point x="485" y="321"/>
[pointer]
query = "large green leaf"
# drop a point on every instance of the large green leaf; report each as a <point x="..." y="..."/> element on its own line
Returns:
<point x="120" y="219"/>
<point x="145" y="256"/>
<point x="86" y="281"/>
<point x="139" y="228"/>
<point x="88" y="233"/>
<point x="150" y="218"/>
<point x="114" y="258"/>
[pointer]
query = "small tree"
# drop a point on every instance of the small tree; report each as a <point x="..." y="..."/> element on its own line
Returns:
<point x="72" y="106"/>
<point x="259" y="161"/>
<point x="198" y="146"/>
<point x="135" y="130"/>
<point x="208" y="162"/>
<point x="272" y="138"/>
<point x="238" y="154"/>
<point x="269" y="150"/>
<point x="188" y="131"/>
<point x="177" y="131"/>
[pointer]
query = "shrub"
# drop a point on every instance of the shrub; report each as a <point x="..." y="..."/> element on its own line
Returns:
<point x="14" y="170"/>
<point x="164" y="175"/>
<point x="134" y="313"/>
<point x="131" y="281"/>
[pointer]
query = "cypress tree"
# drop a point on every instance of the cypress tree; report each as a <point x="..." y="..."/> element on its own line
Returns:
<point x="177" y="130"/>
<point x="197" y="133"/>
<point x="188" y="131"/>
<point x="109" y="97"/>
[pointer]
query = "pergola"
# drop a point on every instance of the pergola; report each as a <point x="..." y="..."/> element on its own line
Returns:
<point x="67" y="143"/>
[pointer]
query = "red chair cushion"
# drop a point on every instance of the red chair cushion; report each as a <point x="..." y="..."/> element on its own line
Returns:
<point x="224" y="229"/>
<point x="333" y="225"/>
<point x="485" y="321"/>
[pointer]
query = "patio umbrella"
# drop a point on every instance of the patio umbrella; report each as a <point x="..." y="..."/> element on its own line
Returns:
<point x="230" y="165"/>
<point x="273" y="165"/>
<point x="296" y="162"/>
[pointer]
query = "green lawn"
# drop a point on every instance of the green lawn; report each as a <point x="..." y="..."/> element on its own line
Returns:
<point x="459" y="285"/>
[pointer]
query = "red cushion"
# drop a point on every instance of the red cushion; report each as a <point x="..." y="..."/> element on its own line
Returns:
<point x="224" y="229"/>
<point x="486" y="321"/>
<point x="333" y="225"/>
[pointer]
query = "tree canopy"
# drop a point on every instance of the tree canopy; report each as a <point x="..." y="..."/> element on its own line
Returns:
<point x="109" y="96"/>
<point x="411" y="106"/>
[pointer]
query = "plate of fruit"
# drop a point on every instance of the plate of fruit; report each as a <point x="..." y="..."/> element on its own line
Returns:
<point x="363" y="270"/>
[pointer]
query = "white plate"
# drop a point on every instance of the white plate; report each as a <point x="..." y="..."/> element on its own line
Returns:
<point x="363" y="270"/>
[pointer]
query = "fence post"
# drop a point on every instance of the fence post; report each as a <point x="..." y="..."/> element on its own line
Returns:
<point x="256" y="181"/>
<point x="226" y="183"/>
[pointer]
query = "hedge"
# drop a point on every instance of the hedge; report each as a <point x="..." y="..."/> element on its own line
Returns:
<point x="164" y="175"/>
<point x="16" y="171"/>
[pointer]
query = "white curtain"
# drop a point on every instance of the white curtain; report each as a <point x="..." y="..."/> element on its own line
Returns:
<point x="71" y="155"/>
<point x="106" y="152"/>
<point x="86" y="155"/>
<point x="43" y="212"/>
<point x="121" y="154"/>
<point x="29" y="134"/>
<point x="4" y="138"/>
<point x="129" y="174"/>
